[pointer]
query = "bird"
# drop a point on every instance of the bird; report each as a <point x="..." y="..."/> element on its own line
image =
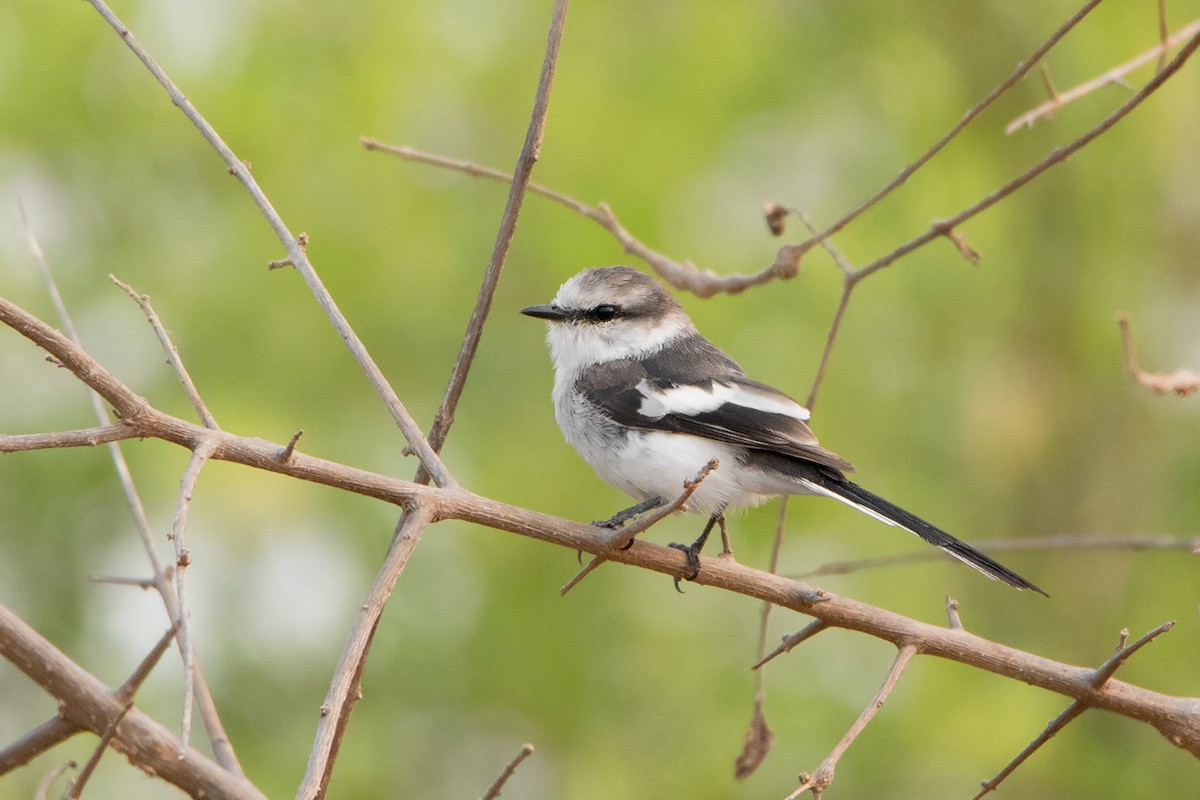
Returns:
<point x="647" y="401"/>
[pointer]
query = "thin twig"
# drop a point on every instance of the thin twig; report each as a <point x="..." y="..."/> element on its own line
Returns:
<point x="906" y="173"/>
<point x="530" y="153"/>
<point x="1087" y="542"/>
<point x="1164" y="33"/>
<point x="792" y="641"/>
<point x="1116" y="75"/>
<point x="183" y="558"/>
<point x="494" y="790"/>
<point x="756" y="744"/>
<point x="818" y="781"/>
<point x="1101" y="676"/>
<point x="1182" y="382"/>
<point x="218" y="739"/>
<point x="295" y="250"/>
<point x="623" y="537"/>
<point x="143" y="301"/>
<point x="344" y="687"/>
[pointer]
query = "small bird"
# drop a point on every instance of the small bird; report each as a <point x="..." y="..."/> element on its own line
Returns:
<point x="647" y="401"/>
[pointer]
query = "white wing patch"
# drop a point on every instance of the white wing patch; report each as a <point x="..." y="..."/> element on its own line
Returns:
<point x="693" y="400"/>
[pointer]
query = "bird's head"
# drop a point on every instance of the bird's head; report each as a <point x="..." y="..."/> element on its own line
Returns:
<point x="610" y="313"/>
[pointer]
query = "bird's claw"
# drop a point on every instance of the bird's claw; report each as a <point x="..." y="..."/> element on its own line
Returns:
<point x="693" y="561"/>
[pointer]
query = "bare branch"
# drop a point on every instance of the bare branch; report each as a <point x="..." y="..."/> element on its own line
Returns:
<point x="819" y="780"/>
<point x="344" y="688"/>
<point x="1116" y="75"/>
<point x="530" y="153"/>
<point x="791" y="642"/>
<point x="86" y="703"/>
<point x="494" y="790"/>
<point x="182" y="559"/>
<point x="143" y="301"/>
<point x="1101" y="676"/>
<point x="127" y="692"/>
<point x="1178" y="719"/>
<point x="295" y="251"/>
<point x="87" y="437"/>
<point x="1182" y="382"/>
<point x="43" y="788"/>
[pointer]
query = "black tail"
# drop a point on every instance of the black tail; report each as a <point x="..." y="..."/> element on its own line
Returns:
<point x="888" y="512"/>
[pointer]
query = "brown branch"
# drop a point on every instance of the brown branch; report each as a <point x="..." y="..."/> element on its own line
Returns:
<point x="295" y="251"/>
<point x="87" y="437"/>
<point x="1101" y="676"/>
<point x="344" y="690"/>
<point x="1116" y="75"/>
<point x="681" y="274"/>
<point x="127" y="692"/>
<point x="1178" y="719"/>
<point x="530" y="153"/>
<point x="818" y="781"/>
<point x="1182" y="382"/>
<point x="498" y="786"/>
<point x="49" y="734"/>
<point x="906" y="173"/>
<point x="88" y="704"/>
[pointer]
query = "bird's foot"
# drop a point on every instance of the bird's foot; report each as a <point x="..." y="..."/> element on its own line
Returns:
<point x="693" y="561"/>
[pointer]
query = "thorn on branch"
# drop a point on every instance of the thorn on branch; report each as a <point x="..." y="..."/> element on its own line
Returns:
<point x="952" y="613"/>
<point x="280" y="263"/>
<point x="285" y="454"/>
<point x="245" y="164"/>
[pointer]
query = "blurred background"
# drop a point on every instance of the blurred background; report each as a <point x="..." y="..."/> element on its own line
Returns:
<point x="991" y="399"/>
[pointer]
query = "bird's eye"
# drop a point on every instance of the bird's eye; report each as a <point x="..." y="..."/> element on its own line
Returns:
<point x="604" y="313"/>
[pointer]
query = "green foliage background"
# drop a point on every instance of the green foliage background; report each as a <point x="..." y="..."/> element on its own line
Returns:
<point x="991" y="399"/>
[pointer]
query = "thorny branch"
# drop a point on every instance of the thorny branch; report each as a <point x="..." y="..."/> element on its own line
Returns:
<point x="296" y="255"/>
<point x="161" y="577"/>
<point x="1103" y="673"/>
<point x="1114" y="77"/>
<point x="1178" y="719"/>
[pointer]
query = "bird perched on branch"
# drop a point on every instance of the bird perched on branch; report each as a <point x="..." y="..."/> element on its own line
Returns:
<point x="647" y="401"/>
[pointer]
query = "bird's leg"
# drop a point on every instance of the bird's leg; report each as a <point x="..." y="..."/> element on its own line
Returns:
<point x="692" y="551"/>
<point x="726" y="550"/>
<point x="621" y="517"/>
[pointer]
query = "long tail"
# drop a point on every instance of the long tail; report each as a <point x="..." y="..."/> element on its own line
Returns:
<point x="870" y="503"/>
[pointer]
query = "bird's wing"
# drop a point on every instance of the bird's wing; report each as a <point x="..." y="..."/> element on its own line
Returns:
<point x="696" y="389"/>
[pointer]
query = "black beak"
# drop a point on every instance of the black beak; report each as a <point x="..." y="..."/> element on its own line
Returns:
<point x="551" y="313"/>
